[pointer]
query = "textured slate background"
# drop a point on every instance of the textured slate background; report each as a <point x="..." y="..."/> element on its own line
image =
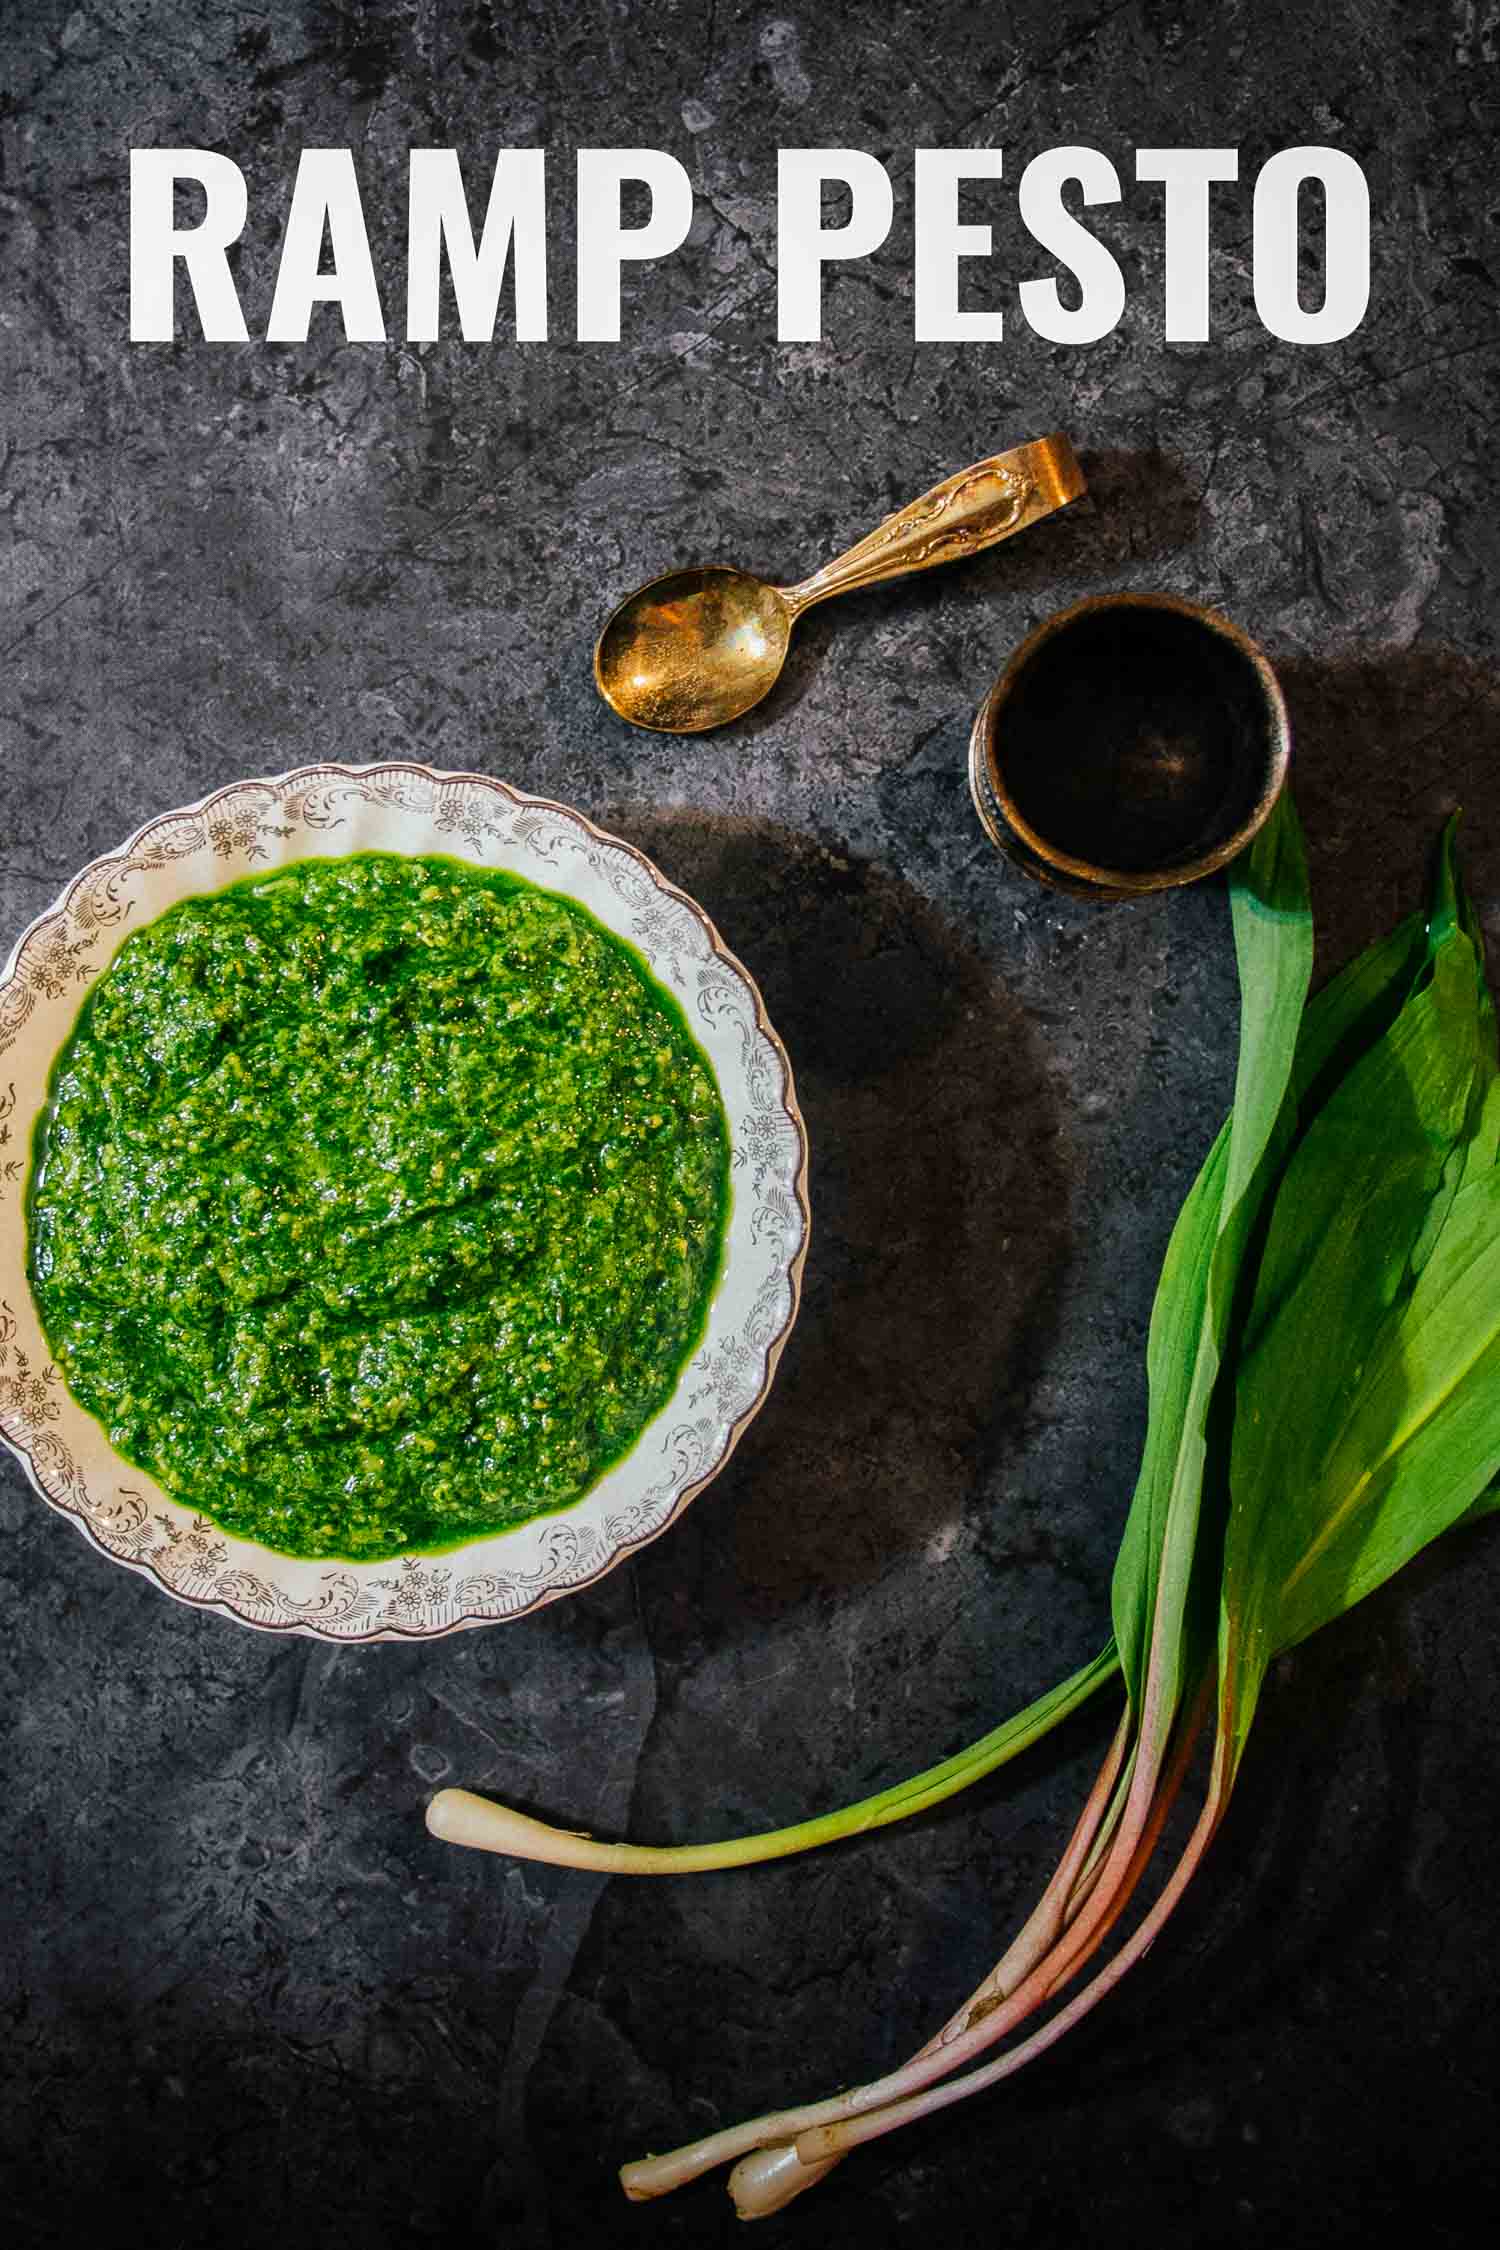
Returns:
<point x="247" y="1999"/>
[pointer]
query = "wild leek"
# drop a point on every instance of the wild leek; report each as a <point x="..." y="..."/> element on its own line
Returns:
<point x="1324" y="1381"/>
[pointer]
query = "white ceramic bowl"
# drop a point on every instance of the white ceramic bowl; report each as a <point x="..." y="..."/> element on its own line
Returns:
<point x="326" y="811"/>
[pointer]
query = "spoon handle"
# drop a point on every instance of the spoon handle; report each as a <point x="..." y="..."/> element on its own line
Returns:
<point x="961" y="516"/>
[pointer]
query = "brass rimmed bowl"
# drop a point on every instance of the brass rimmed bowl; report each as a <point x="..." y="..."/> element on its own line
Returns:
<point x="1132" y="743"/>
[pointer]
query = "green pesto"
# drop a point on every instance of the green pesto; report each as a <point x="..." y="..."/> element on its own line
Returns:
<point x="378" y="1203"/>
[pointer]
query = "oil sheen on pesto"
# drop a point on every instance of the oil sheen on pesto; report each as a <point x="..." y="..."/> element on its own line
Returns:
<point x="379" y="1203"/>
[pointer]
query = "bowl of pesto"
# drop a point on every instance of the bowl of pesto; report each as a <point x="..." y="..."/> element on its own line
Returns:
<point x="402" y="1202"/>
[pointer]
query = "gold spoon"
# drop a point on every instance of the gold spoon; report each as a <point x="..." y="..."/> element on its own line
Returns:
<point x="700" y="646"/>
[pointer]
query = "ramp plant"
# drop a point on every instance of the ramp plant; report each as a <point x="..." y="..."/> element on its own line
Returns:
<point x="1324" y="1400"/>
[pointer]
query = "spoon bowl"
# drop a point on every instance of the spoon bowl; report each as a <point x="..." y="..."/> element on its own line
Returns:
<point x="693" y="649"/>
<point x="701" y="646"/>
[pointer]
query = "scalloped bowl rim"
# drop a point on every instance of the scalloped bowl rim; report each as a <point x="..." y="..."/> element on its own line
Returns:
<point x="247" y="825"/>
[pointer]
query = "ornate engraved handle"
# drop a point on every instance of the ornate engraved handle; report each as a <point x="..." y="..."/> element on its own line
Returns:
<point x="961" y="516"/>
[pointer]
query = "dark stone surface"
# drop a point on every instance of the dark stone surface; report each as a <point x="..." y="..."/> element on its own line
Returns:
<point x="247" y="1999"/>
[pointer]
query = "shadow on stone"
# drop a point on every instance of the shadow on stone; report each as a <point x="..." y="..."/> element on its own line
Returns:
<point x="1140" y="506"/>
<point x="1383" y="750"/>
<point x="939" y="1200"/>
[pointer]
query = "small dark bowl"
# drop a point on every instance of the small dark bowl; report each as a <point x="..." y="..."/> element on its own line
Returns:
<point x="1133" y="742"/>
